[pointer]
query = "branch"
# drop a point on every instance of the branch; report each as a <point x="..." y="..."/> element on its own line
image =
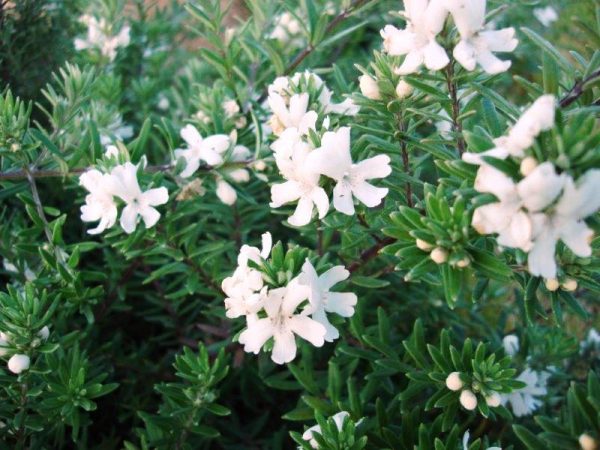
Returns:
<point x="370" y="253"/>
<point x="578" y="89"/>
<point x="452" y="90"/>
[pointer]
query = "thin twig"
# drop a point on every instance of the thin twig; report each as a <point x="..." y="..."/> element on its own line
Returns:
<point x="405" y="160"/>
<point x="578" y="88"/>
<point x="369" y="254"/>
<point x="456" y="124"/>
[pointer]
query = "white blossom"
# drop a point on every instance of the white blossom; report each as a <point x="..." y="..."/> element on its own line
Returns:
<point x="291" y="157"/>
<point x="323" y="301"/>
<point x="527" y="399"/>
<point x="138" y="204"/>
<point x="465" y="442"/>
<point x="208" y="149"/>
<point x="478" y="44"/>
<point x="566" y="223"/>
<point x="99" y="203"/>
<point x="230" y="107"/>
<point x="292" y="114"/>
<point x="510" y="342"/>
<point x="333" y="160"/>
<point x="537" y="118"/>
<point x="18" y="363"/>
<point x="287" y="29"/>
<point x="546" y="15"/>
<point x="338" y="418"/>
<point x="282" y="323"/>
<point x="424" y="21"/>
<point x="100" y="37"/>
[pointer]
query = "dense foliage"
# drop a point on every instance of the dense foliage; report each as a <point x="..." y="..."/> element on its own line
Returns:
<point x="428" y="274"/>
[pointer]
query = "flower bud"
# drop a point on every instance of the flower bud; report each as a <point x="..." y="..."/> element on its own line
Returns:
<point x="510" y="342"/>
<point x="18" y="363"/>
<point x="424" y="245"/>
<point x="439" y="255"/>
<point x="260" y="165"/>
<point x="453" y="382"/>
<point x="15" y="147"/>
<point x="226" y="193"/>
<point x="569" y="285"/>
<point x="44" y="333"/>
<point x="551" y="284"/>
<point x="528" y="165"/>
<point x="468" y="400"/>
<point x="462" y="263"/>
<point x="368" y="87"/>
<point x="493" y="400"/>
<point x="403" y="89"/>
<point x="587" y="442"/>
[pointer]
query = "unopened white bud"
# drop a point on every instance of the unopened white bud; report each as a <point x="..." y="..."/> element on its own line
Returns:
<point x="570" y="285"/>
<point x="368" y="87"/>
<point x="226" y="193"/>
<point x="439" y="255"/>
<point x="15" y="147"/>
<point x="493" y="400"/>
<point x="552" y="284"/>
<point x="462" y="263"/>
<point x="260" y="165"/>
<point x="18" y="363"/>
<point x="453" y="382"/>
<point x="44" y="333"/>
<point x="528" y="165"/>
<point x="403" y="89"/>
<point x="510" y="342"/>
<point x="424" y="245"/>
<point x="587" y="442"/>
<point x="228" y="35"/>
<point x="241" y="122"/>
<point x="468" y="400"/>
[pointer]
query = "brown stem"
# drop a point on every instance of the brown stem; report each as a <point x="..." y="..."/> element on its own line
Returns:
<point x="456" y="124"/>
<point x="578" y="88"/>
<point x="368" y="254"/>
<point x="405" y="160"/>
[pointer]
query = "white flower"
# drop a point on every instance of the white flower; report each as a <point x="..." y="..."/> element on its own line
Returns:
<point x="368" y="87"/>
<point x="302" y="181"/>
<point x="510" y="342"/>
<point x="99" y="203"/>
<point x="494" y="400"/>
<point x="546" y="15"/>
<point x="347" y="107"/>
<point x="18" y="363"/>
<point x="592" y="340"/>
<point x="465" y="442"/>
<point x="287" y="29"/>
<point x="44" y="333"/>
<point x="98" y="37"/>
<point x="282" y="324"/>
<point x="333" y="159"/>
<point x="424" y="20"/>
<point x="209" y="149"/>
<point x="111" y="151"/>
<point x="578" y="201"/>
<point x="296" y="115"/>
<point x="477" y="45"/>
<point x="125" y="186"/>
<point x="525" y="400"/>
<point x="339" y="420"/>
<point x="323" y="301"/>
<point x="244" y="289"/>
<point x="163" y="103"/>
<point x="507" y="217"/>
<point x="537" y="118"/>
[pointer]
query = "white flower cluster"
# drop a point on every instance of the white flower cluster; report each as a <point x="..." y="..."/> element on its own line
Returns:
<point x="212" y="151"/>
<point x="20" y="362"/>
<point x="526" y="400"/>
<point x="300" y="308"/>
<point x="100" y="37"/>
<point x="287" y="30"/>
<point x="301" y="164"/>
<point x="425" y="19"/>
<point x="121" y="182"/>
<point x="543" y="207"/>
<point x="467" y="398"/>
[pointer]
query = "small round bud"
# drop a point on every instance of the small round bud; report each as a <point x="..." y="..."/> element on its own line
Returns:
<point x="424" y="245"/>
<point x="462" y="263"/>
<point x="569" y="285"/>
<point x="587" y="442"/>
<point x="260" y="165"/>
<point x="493" y="400"/>
<point x="18" y="363"/>
<point x="44" y="333"/>
<point x="453" y="382"/>
<point x="403" y="89"/>
<point x="510" y="342"/>
<point x="552" y="284"/>
<point x="241" y="122"/>
<point x="368" y="87"/>
<point x="15" y="147"/>
<point x="439" y="255"/>
<point x="528" y="165"/>
<point x="468" y="400"/>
